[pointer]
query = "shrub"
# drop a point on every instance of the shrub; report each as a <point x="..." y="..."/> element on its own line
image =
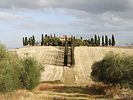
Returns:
<point x="17" y="73"/>
<point x="10" y="68"/>
<point x="114" y="69"/>
<point x="30" y="76"/>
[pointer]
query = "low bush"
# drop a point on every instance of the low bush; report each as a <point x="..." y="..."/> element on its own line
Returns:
<point x="114" y="69"/>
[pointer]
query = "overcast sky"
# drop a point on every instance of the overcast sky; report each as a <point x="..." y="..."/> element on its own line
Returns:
<point x="20" y="18"/>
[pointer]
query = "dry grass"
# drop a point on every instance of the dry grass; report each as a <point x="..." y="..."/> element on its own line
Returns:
<point x="17" y="95"/>
<point x="53" y="91"/>
<point x="47" y="86"/>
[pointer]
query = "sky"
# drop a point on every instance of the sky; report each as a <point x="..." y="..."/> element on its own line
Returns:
<point x="19" y="18"/>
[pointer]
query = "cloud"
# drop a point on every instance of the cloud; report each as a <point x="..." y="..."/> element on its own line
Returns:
<point x="79" y="8"/>
<point x="93" y="6"/>
<point x="9" y="16"/>
<point x="89" y="15"/>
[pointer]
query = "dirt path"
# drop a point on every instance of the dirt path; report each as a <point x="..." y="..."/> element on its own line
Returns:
<point x="69" y="77"/>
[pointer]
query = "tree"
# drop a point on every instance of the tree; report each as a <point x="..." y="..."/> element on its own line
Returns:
<point x="110" y="42"/>
<point x="42" y="41"/>
<point x="72" y="52"/>
<point x="23" y="41"/>
<point x="92" y="41"/>
<point x="65" y="54"/>
<point x="33" y="40"/>
<point x="54" y="36"/>
<point x="26" y="41"/>
<point x="30" y="76"/>
<point x="103" y="41"/>
<point x="113" y="40"/>
<point x="106" y="40"/>
<point x="96" y="39"/>
<point x="10" y="69"/>
<point x="46" y="35"/>
<point x="30" y="41"/>
<point x="114" y="69"/>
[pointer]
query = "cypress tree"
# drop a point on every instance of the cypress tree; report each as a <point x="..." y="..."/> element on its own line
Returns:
<point x="113" y="40"/>
<point x="103" y="41"/>
<point x="95" y="39"/>
<point x="26" y="41"/>
<point x="110" y="42"/>
<point x="106" y="40"/>
<point x="65" y="54"/>
<point x="98" y="42"/>
<point x="42" y="40"/>
<point x="54" y="36"/>
<point x="30" y="41"/>
<point x="72" y="53"/>
<point x="33" y="40"/>
<point x="92" y="41"/>
<point x="46" y="35"/>
<point x="23" y="41"/>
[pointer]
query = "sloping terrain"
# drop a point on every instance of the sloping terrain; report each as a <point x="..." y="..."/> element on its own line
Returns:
<point x="86" y="56"/>
<point x="73" y="80"/>
<point x="52" y="59"/>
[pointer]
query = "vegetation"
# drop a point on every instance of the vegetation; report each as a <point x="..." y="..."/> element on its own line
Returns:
<point x="96" y="39"/>
<point x="114" y="69"/>
<point x="10" y="68"/>
<point x="30" y="75"/>
<point x="29" y="41"/>
<point x="42" y="41"/>
<point x="103" y="44"/>
<point x="50" y="40"/>
<point x="113" y="40"/>
<point x="106" y="40"/>
<point x="16" y="73"/>
<point x="72" y="53"/>
<point x="66" y="54"/>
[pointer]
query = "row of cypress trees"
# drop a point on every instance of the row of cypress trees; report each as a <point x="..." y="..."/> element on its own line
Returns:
<point x="72" y="60"/>
<point x="29" y="41"/>
<point x="105" y="40"/>
<point x="97" y="40"/>
<point x="55" y="41"/>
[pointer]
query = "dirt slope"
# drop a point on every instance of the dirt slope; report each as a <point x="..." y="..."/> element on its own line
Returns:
<point x="50" y="57"/>
<point x="52" y="60"/>
<point x="86" y="56"/>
